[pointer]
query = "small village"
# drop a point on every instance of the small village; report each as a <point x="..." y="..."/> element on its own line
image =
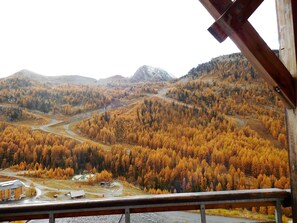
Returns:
<point x="15" y="190"/>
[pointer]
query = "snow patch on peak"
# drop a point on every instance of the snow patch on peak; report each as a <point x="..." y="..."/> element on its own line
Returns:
<point x="147" y="73"/>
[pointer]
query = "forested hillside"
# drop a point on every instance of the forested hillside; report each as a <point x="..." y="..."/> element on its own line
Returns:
<point x="229" y="134"/>
<point x="230" y="86"/>
<point x="66" y="99"/>
<point x="218" y="128"/>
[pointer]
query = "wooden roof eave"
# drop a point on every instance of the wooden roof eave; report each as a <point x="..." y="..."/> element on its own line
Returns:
<point x="231" y="20"/>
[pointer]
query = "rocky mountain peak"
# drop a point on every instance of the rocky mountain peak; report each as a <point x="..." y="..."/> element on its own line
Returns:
<point x="147" y="73"/>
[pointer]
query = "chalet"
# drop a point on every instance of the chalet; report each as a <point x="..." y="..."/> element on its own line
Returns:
<point x="12" y="190"/>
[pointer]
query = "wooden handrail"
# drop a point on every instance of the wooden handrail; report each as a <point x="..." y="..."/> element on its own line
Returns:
<point x="146" y="203"/>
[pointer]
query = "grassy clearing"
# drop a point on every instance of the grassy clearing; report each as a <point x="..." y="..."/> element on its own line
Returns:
<point x="56" y="195"/>
<point x="239" y="121"/>
<point x="30" y="122"/>
<point x="58" y="184"/>
<point x="257" y="126"/>
<point x="59" y="129"/>
<point x="72" y="185"/>
<point x="93" y="196"/>
<point x="54" y="186"/>
<point x="131" y="190"/>
<point x="32" y="118"/>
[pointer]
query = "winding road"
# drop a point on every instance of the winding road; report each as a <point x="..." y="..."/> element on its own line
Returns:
<point x="50" y="129"/>
<point x="65" y="125"/>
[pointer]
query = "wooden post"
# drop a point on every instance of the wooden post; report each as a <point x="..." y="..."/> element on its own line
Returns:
<point x="202" y="213"/>
<point x="127" y="215"/>
<point x="287" y="27"/>
<point x="51" y="218"/>
<point x="278" y="212"/>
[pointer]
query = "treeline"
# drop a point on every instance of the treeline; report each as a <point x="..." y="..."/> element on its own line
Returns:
<point x="206" y="161"/>
<point x="68" y="99"/>
<point x="65" y="99"/>
<point x="187" y="149"/>
<point x="238" y="159"/>
<point x="13" y="113"/>
<point x="167" y="170"/>
<point x="9" y="113"/>
<point x="39" y="172"/>
<point x="21" y="145"/>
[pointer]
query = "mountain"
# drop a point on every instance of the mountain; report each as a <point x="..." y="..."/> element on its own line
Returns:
<point x="230" y="86"/>
<point x="143" y="74"/>
<point x="219" y="123"/>
<point x="150" y="74"/>
<point x="53" y="80"/>
<point x="28" y="75"/>
<point x="208" y="67"/>
<point x="114" y="80"/>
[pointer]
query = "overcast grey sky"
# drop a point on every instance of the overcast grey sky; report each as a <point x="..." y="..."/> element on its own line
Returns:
<point x="101" y="38"/>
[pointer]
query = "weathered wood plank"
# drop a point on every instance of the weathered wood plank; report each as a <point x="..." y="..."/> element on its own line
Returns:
<point x="287" y="22"/>
<point x="258" y="53"/>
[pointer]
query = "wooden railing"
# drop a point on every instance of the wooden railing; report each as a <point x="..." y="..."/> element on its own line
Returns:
<point x="149" y="203"/>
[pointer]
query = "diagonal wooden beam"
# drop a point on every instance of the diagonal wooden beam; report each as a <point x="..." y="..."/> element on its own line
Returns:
<point x="235" y="15"/>
<point x="218" y="32"/>
<point x="254" y="48"/>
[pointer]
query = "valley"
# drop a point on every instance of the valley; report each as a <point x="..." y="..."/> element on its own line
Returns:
<point x="219" y="127"/>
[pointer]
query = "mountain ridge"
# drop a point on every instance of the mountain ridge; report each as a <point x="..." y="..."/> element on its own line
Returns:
<point x="144" y="73"/>
<point x="54" y="80"/>
<point x="114" y="80"/>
